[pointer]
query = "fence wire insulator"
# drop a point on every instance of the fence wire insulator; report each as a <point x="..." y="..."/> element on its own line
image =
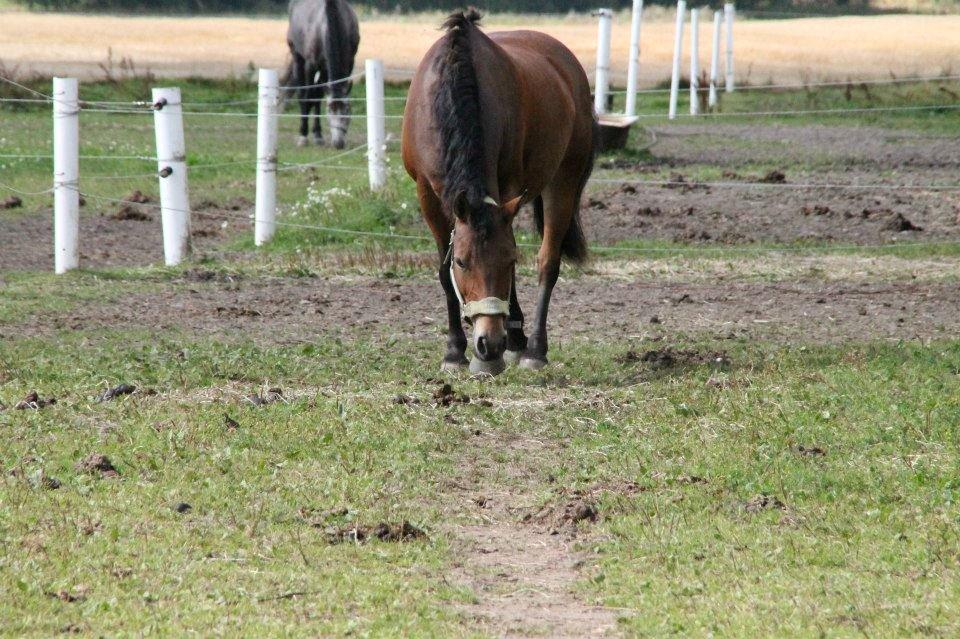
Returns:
<point x="159" y="104"/>
<point x="166" y="172"/>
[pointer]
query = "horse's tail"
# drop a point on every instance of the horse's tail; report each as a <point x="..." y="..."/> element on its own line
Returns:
<point x="574" y="246"/>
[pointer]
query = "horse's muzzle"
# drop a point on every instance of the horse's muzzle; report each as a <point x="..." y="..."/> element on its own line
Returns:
<point x="489" y="337"/>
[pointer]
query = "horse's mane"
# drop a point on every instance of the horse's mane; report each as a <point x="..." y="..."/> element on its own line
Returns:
<point x="456" y="112"/>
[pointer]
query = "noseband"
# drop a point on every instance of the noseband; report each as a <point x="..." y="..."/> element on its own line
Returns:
<point x="486" y="306"/>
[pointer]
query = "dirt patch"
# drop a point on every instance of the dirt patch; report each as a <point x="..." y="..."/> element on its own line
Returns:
<point x="763" y="502"/>
<point x="522" y="576"/>
<point x="748" y="206"/>
<point x="117" y="391"/>
<point x="336" y="532"/>
<point x="97" y="465"/>
<point x="773" y="177"/>
<point x="295" y="310"/>
<point x="271" y="396"/>
<point x="565" y="516"/>
<point x="130" y="211"/>
<point x="445" y="396"/>
<point x="898" y="224"/>
<point x="669" y="357"/>
<point x="11" y="202"/>
<point x="33" y="401"/>
<point x="131" y="236"/>
<point x="564" y="513"/>
<point x="403" y="532"/>
<point x="724" y="215"/>
<point x="849" y="150"/>
<point x="79" y="594"/>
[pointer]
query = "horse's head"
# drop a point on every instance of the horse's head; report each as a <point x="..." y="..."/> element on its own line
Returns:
<point x="338" y="113"/>
<point x="483" y="254"/>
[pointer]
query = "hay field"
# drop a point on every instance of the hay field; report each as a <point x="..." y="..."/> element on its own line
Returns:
<point x="786" y="50"/>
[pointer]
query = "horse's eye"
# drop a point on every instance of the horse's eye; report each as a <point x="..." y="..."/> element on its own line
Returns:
<point x="460" y="263"/>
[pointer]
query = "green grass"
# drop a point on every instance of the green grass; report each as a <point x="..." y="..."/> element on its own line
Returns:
<point x="211" y="141"/>
<point x="866" y="541"/>
<point x="652" y="107"/>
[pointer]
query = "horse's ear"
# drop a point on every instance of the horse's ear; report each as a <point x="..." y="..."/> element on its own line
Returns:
<point x="460" y="208"/>
<point x="511" y="207"/>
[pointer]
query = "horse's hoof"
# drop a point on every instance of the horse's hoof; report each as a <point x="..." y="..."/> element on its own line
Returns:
<point x="532" y="364"/>
<point x="318" y="141"/>
<point x="302" y="141"/>
<point x="452" y="367"/>
<point x="493" y="367"/>
<point x="512" y="358"/>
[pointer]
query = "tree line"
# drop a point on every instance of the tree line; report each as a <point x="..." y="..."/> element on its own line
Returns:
<point x="403" y="6"/>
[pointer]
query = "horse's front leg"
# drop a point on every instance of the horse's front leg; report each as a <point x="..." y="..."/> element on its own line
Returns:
<point x="516" y="340"/>
<point x="319" y="94"/>
<point x="317" y="126"/>
<point x="455" y="357"/>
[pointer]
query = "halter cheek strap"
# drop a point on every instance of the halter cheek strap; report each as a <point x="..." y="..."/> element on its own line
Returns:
<point x="486" y="306"/>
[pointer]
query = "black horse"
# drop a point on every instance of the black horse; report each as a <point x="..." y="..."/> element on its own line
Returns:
<point x="323" y="37"/>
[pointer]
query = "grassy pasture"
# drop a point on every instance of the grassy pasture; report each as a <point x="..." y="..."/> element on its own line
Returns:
<point x="861" y="537"/>
<point x="753" y="486"/>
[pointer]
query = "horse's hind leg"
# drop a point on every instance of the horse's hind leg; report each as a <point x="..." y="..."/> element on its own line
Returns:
<point x="316" y="99"/>
<point x="455" y="357"/>
<point x="303" y="96"/>
<point x="559" y="203"/>
<point x="318" y="95"/>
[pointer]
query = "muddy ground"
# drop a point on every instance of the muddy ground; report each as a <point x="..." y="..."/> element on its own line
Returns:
<point x="761" y="167"/>
<point x="126" y="234"/>
<point x="286" y="310"/>
<point x="294" y="309"/>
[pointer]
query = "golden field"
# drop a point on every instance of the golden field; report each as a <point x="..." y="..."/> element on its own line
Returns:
<point x="784" y="50"/>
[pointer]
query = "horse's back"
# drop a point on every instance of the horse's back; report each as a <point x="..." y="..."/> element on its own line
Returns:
<point x="308" y="22"/>
<point x="534" y="97"/>
<point x="555" y="103"/>
<point x="535" y="52"/>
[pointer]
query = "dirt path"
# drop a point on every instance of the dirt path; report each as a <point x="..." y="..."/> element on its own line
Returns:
<point x="284" y="310"/>
<point x="522" y="575"/>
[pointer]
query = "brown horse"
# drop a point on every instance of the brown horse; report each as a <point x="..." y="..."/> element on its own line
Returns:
<point x="494" y="121"/>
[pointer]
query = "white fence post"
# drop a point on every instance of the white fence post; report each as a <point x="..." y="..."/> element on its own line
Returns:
<point x="601" y="85"/>
<point x="714" y="60"/>
<point x="268" y="93"/>
<point x="677" y="48"/>
<point x="694" y="61"/>
<point x="172" y="167"/>
<point x="633" y="64"/>
<point x="728" y="13"/>
<point x="376" y="126"/>
<point x="66" y="175"/>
